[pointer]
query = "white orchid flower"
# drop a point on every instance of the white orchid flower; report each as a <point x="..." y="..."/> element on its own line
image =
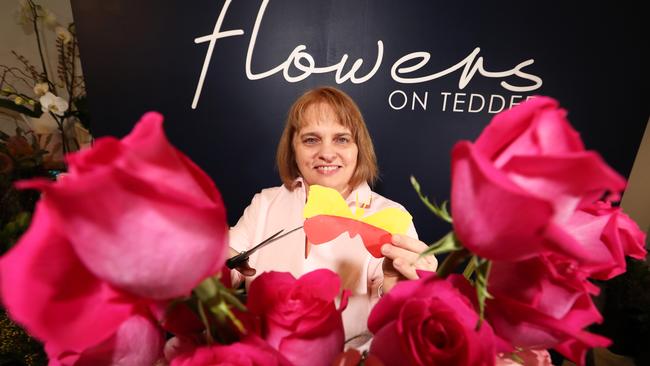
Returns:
<point x="63" y="34"/>
<point x="54" y="104"/>
<point x="49" y="19"/>
<point x="24" y="17"/>
<point x="41" y="88"/>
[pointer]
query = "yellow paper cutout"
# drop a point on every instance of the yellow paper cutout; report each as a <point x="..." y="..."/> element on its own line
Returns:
<point x="328" y="201"/>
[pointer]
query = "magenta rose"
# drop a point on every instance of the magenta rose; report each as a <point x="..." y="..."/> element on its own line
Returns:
<point x="140" y="214"/>
<point x="514" y="189"/>
<point x="609" y="235"/>
<point x="251" y="351"/>
<point x="138" y="341"/>
<point x="47" y="289"/>
<point x="299" y="317"/>
<point x="543" y="302"/>
<point x="429" y="322"/>
<point x="133" y="223"/>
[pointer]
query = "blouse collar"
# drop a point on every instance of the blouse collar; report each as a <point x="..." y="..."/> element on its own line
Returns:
<point x="361" y="195"/>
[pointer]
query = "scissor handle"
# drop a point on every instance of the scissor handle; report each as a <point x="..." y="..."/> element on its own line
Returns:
<point x="237" y="260"/>
<point x="242" y="257"/>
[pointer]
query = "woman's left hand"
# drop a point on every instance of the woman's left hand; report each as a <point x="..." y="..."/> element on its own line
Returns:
<point x="402" y="260"/>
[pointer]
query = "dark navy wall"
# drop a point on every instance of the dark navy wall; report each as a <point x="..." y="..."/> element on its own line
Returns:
<point x="141" y="55"/>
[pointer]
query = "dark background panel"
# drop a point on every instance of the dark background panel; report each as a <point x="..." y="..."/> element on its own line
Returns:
<point x="140" y="56"/>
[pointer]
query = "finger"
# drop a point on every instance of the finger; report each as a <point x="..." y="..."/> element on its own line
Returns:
<point x="428" y="262"/>
<point x="394" y="252"/>
<point x="415" y="260"/>
<point x="408" y="243"/>
<point x="246" y="270"/>
<point x="405" y="269"/>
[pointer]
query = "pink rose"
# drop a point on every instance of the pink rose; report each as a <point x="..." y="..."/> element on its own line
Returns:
<point x="139" y="214"/>
<point x="543" y="302"/>
<point x="132" y="224"/>
<point x="609" y="235"/>
<point x="429" y="322"/>
<point x="47" y="289"/>
<point x="299" y="317"/>
<point x="522" y="180"/>
<point x="138" y="341"/>
<point x="251" y="351"/>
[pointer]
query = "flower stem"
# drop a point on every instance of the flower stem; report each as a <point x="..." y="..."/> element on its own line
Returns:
<point x="38" y="42"/>
<point x="451" y="262"/>
<point x="60" y="121"/>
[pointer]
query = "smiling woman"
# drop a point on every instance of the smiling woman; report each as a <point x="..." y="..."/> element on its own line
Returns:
<point x="325" y="142"/>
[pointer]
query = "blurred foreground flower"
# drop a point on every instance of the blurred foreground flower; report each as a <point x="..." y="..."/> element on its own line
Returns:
<point x="533" y="219"/>
<point x="134" y="222"/>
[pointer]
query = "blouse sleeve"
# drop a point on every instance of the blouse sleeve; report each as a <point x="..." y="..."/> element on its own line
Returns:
<point x="242" y="235"/>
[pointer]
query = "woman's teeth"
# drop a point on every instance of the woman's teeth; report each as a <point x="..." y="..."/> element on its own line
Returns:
<point x="327" y="168"/>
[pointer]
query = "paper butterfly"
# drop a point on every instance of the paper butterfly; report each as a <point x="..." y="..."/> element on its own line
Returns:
<point x="328" y="216"/>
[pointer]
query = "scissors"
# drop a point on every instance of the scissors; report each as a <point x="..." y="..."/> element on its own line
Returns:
<point x="242" y="257"/>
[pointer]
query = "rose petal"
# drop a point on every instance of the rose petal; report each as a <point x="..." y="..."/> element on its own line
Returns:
<point x="136" y="238"/>
<point x="47" y="289"/>
<point x="299" y="317"/>
<point x="532" y="128"/>
<point x="565" y="180"/>
<point x="487" y="207"/>
<point x="250" y="351"/>
<point x="138" y="341"/>
<point x="429" y="321"/>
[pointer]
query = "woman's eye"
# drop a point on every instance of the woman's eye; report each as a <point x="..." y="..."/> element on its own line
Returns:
<point x="310" y="140"/>
<point x="342" y="140"/>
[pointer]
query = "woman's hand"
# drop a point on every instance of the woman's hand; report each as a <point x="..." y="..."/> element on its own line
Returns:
<point x="402" y="259"/>
<point x="244" y="269"/>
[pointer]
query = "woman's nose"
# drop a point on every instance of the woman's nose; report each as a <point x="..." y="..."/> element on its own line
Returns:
<point x="327" y="152"/>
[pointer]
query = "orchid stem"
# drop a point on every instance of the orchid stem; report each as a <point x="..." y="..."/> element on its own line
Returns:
<point x="38" y="42"/>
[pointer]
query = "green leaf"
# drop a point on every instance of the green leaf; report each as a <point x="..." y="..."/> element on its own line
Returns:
<point x="206" y="323"/>
<point x="451" y="262"/>
<point x="224" y="309"/>
<point x="441" y="211"/>
<point x="448" y="243"/>
<point x="9" y="104"/>
<point x="206" y="290"/>
<point x="215" y="307"/>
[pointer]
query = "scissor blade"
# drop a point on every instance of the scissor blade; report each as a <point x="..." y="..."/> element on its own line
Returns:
<point x="266" y="241"/>
<point x="242" y="257"/>
<point x="271" y="240"/>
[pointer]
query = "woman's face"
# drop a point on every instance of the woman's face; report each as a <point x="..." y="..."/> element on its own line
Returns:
<point x="326" y="153"/>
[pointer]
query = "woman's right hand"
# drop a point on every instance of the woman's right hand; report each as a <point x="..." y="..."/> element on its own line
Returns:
<point x="244" y="269"/>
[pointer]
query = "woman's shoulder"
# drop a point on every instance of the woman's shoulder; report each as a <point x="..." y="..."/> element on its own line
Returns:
<point x="271" y="194"/>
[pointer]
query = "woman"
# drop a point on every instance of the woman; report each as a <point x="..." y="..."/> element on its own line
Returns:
<point x="326" y="142"/>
